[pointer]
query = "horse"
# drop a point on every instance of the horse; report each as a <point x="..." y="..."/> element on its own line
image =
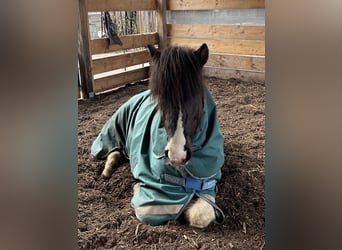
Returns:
<point x="171" y="137"/>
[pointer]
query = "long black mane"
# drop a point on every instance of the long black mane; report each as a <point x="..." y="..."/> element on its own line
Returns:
<point x="177" y="85"/>
<point x="176" y="78"/>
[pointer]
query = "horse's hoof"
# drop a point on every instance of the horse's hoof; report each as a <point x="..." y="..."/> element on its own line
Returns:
<point x="200" y="214"/>
<point x="114" y="160"/>
<point x="104" y="177"/>
<point x="136" y="187"/>
<point x="107" y="173"/>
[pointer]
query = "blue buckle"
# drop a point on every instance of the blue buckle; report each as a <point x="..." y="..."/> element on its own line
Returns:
<point x="193" y="183"/>
<point x="198" y="184"/>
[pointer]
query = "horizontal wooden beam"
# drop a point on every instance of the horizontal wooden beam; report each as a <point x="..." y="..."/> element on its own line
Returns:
<point x="239" y="62"/>
<point x="216" y="31"/>
<point x="214" y="4"/>
<point x="223" y="73"/>
<point x="114" y="81"/>
<point x="120" y="61"/>
<point x="240" y="47"/>
<point x="98" y="46"/>
<point x="120" y="5"/>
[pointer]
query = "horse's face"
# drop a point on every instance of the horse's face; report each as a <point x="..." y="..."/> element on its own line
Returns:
<point x="181" y="129"/>
<point x="177" y="85"/>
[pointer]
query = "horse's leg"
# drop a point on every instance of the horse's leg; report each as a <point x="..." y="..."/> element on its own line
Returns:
<point x="114" y="160"/>
<point x="199" y="213"/>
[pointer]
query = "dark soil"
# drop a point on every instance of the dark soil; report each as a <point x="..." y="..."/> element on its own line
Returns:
<point x="105" y="217"/>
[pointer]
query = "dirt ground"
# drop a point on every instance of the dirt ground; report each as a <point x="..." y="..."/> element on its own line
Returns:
<point x="105" y="218"/>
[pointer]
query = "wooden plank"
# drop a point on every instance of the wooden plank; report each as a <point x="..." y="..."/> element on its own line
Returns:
<point x="120" y="5"/>
<point x="84" y="57"/>
<point x="79" y="92"/>
<point x="161" y="23"/>
<point x="231" y="73"/>
<point x="120" y="61"/>
<point x="98" y="46"/>
<point x="114" y="81"/>
<point x="236" y="62"/>
<point x="242" y="47"/>
<point x="216" y="31"/>
<point x="214" y="4"/>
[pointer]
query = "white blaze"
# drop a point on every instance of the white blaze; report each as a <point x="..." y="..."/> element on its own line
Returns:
<point x="176" y="144"/>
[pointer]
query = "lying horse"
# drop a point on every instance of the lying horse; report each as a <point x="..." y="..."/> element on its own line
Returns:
<point x="171" y="136"/>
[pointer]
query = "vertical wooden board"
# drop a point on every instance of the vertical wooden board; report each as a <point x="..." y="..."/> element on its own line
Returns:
<point x="79" y="92"/>
<point x="121" y="5"/>
<point x="216" y="31"/>
<point x="242" y="47"/>
<point x="214" y="4"/>
<point x="256" y="63"/>
<point x="84" y="56"/>
<point x="161" y="23"/>
<point x="120" y="61"/>
<point x="114" y="81"/>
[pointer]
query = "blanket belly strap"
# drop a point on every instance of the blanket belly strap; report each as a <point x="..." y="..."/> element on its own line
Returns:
<point x="189" y="182"/>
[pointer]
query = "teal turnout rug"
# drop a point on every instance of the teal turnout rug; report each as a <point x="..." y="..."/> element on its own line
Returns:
<point x="165" y="191"/>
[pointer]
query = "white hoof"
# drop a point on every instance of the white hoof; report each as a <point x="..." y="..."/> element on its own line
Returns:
<point x="200" y="213"/>
<point x="114" y="160"/>
<point x="136" y="187"/>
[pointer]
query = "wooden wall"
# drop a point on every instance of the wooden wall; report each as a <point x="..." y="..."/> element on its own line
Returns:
<point x="113" y="66"/>
<point x="121" y="61"/>
<point x="235" y="50"/>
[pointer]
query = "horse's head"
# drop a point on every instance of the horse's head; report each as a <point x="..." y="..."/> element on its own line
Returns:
<point x="176" y="83"/>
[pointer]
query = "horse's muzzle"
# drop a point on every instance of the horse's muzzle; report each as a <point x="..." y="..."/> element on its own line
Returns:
<point x="177" y="162"/>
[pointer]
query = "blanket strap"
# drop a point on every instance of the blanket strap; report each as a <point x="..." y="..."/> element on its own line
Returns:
<point x="196" y="185"/>
<point x="189" y="182"/>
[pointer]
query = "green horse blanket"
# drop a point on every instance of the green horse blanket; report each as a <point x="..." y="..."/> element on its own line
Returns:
<point x="165" y="191"/>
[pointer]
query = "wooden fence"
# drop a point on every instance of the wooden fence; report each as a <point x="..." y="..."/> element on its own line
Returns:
<point x="235" y="50"/>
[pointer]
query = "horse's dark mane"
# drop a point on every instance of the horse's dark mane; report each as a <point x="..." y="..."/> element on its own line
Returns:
<point x="176" y="79"/>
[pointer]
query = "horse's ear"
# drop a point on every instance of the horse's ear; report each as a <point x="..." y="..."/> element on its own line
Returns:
<point x="153" y="50"/>
<point x="203" y="53"/>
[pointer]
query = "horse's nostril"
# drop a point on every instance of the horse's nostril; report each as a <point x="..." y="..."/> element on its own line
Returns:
<point x="167" y="153"/>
